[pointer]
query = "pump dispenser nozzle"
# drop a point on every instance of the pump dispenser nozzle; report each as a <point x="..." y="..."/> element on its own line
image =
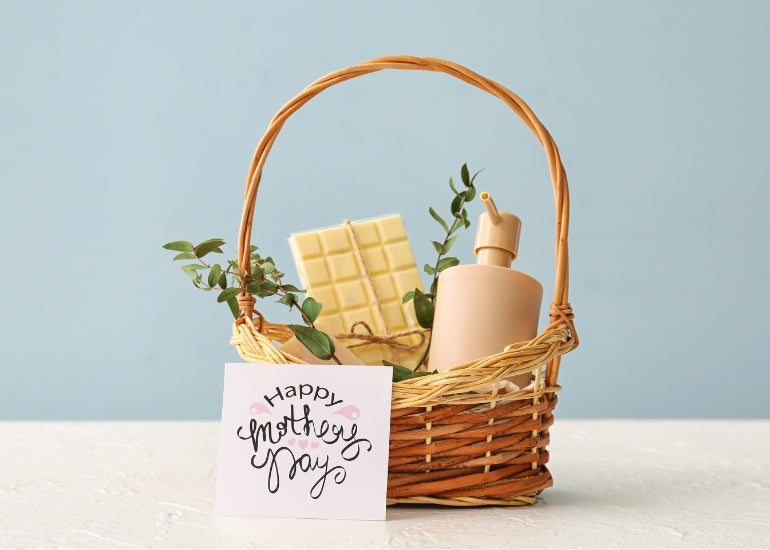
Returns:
<point x="497" y="236"/>
<point x="491" y="207"/>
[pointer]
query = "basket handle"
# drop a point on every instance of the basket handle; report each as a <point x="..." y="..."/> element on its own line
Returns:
<point x="560" y="311"/>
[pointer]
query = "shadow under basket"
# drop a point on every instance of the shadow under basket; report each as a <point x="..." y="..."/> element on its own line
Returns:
<point x="456" y="438"/>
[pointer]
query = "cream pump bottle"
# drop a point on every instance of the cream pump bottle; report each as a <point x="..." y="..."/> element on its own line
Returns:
<point x="481" y="308"/>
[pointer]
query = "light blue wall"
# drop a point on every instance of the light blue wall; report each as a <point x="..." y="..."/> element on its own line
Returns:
<point x="124" y="125"/>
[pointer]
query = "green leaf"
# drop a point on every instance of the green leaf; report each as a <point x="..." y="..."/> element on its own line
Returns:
<point x="211" y="245"/>
<point x="465" y="175"/>
<point x="256" y="272"/>
<point x="443" y="248"/>
<point x="458" y="223"/>
<point x="292" y="288"/>
<point x="452" y="186"/>
<point x="438" y="218"/>
<point x="476" y="174"/>
<point x="457" y="203"/>
<point x="262" y="288"/>
<point x="471" y="194"/>
<point x="216" y="271"/>
<point x="399" y="373"/>
<point x="447" y="262"/>
<point x="408" y="297"/>
<point x="268" y="267"/>
<point x="449" y="243"/>
<point x="235" y="309"/>
<point x="429" y="269"/>
<point x="402" y="373"/>
<point x="228" y="293"/>
<point x="311" y="308"/>
<point x="179" y="246"/>
<point x="314" y="340"/>
<point x="185" y="256"/>
<point x="222" y="280"/>
<point x="423" y="309"/>
<point x="192" y="270"/>
<point x="288" y="299"/>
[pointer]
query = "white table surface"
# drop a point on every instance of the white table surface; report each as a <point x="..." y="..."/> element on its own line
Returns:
<point x="617" y="484"/>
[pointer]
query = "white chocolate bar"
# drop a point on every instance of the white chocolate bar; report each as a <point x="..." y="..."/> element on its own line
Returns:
<point x="329" y="262"/>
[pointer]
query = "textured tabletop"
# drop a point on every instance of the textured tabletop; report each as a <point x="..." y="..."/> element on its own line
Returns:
<point x="637" y="484"/>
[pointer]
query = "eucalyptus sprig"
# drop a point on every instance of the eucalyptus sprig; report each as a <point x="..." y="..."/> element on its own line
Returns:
<point x="425" y="302"/>
<point x="264" y="281"/>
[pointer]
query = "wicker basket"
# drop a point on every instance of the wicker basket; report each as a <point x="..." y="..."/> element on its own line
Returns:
<point x="456" y="437"/>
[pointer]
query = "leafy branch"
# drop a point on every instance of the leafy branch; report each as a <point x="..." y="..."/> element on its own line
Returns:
<point x="264" y="281"/>
<point x="425" y="302"/>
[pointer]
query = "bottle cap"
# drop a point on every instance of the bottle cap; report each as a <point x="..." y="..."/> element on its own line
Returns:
<point x="497" y="235"/>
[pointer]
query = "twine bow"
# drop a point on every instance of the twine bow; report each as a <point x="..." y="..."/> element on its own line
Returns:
<point x="389" y="339"/>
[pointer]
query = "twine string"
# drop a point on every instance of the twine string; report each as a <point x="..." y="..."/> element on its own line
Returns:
<point x="359" y="255"/>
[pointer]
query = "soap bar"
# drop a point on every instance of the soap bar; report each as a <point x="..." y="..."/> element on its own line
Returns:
<point x="360" y="272"/>
<point x="297" y="350"/>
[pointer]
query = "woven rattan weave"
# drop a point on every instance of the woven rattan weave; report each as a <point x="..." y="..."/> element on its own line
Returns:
<point x="456" y="437"/>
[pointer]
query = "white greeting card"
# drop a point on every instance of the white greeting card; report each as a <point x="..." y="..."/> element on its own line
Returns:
<point x="304" y="441"/>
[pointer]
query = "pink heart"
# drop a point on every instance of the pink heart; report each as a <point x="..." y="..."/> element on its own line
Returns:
<point x="291" y="441"/>
<point x="303" y="443"/>
<point x="314" y="445"/>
